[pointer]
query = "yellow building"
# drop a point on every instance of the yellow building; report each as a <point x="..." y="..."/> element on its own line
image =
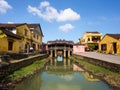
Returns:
<point x="9" y="43"/>
<point x="24" y="31"/>
<point x="91" y="38"/>
<point x="22" y="38"/>
<point x="110" y="44"/>
<point x="36" y="37"/>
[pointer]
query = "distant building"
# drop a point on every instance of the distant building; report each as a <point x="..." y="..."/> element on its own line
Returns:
<point x="20" y="38"/>
<point x="110" y="44"/>
<point x="77" y="48"/>
<point x="44" y="48"/>
<point x="91" y="39"/>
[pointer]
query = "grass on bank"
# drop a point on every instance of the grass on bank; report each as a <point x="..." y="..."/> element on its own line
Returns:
<point x="97" y="70"/>
<point x="27" y="70"/>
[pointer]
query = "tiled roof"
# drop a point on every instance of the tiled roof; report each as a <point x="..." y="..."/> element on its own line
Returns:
<point x="93" y="32"/>
<point x="60" y="42"/>
<point x="116" y="36"/>
<point x="3" y="25"/>
<point x="33" y="25"/>
<point x="17" y="24"/>
<point x="8" y="33"/>
<point x="8" y="25"/>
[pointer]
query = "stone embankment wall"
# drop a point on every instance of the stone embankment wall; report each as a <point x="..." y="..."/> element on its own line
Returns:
<point x="111" y="66"/>
<point x="8" y="68"/>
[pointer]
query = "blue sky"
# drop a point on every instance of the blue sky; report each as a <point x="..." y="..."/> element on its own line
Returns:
<point x="64" y="19"/>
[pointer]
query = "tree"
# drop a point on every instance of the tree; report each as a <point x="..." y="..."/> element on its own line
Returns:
<point x="91" y="46"/>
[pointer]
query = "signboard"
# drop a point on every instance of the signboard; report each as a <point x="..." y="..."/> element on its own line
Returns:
<point x="2" y="35"/>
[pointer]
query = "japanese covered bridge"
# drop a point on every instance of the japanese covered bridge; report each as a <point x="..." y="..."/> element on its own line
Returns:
<point x="60" y="48"/>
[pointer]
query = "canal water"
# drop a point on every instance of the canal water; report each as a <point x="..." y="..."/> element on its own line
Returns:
<point x="62" y="74"/>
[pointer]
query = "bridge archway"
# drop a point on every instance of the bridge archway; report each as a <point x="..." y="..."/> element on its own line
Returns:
<point x="60" y="48"/>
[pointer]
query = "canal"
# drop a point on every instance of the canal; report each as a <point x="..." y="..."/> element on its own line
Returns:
<point x="62" y="74"/>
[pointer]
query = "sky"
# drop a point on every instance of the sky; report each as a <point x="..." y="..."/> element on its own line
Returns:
<point x="64" y="19"/>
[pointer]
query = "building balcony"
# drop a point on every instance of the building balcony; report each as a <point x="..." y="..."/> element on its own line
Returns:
<point x="94" y="41"/>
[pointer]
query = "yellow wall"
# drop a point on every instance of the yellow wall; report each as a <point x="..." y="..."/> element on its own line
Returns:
<point x="37" y="41"/>
<point x="21" y="29"/>
<point x="19" y="45"/>
<point x="109" y="41"/>
<point x="89" y="35"/>
<point x="4" y="45"/>
<point x="26" y="39"/>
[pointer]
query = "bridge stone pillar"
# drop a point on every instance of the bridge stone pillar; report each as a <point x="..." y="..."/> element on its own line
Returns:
<point x="64" y="53"/>
<point x="55" y="53"/>
<point x="51" y="53"/>
<point x="68" y="53"/>
<point x="68" y="62"/>
<point x="51" y="61"/>
<point x="55" y="62"/>
<point x="64" y="61"/>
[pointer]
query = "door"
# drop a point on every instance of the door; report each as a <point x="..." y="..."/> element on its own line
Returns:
<point x="115" y="47"/>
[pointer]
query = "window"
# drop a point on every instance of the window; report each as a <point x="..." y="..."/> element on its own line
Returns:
<point x="34" y="35"/>
<point x="25" y="32"/>
<point x="37" y="37"/>
<point x="103" y="47"/>
<point x="10" y="45"/>
<point x="88" y="39"/>
<point x="38" y="46"/>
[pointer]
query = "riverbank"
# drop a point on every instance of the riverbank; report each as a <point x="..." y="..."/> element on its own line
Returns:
<point x="112" y="78"/>
<point x="7" y="68"/>
<point x="21" y="74"/>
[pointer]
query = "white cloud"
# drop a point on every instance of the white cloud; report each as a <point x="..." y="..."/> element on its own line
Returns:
<point x="4" y="6"/>
<point x="34" y="11"/>
<point x="68" y="15"/>
<point x="49" y="13"/>
<point x="44" y="4"/>
<point x="10" y="22"/>
<point x="66" y="27"/>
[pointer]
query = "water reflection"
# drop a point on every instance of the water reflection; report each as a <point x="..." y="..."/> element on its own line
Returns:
<point x="63" y="66"/>
<point x="63" y="74"/>
<point x="59" y="58"/>
<point x="66" y="66"/>
<point x="90" y="77"/>
<point x="34" y="83"/>
<point x="77" y="68"/>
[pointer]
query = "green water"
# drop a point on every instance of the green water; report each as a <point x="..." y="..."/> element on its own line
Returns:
<point x="62" y="74"/>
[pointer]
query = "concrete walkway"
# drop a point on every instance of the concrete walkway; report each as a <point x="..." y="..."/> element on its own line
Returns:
<point x="104" y="57"/>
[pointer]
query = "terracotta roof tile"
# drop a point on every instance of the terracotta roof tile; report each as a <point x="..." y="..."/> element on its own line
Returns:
<point x="93" y="32"/>
<point x="5" y="25"/>
<point x="116" y="36"/>
<point x="60" y="42"/>
<point x="8" y="25"/>
<point x="33" y="25"/>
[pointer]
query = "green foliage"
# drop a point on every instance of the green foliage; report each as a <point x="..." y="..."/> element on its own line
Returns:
<point x="27" y="70"/>
<point x="92" y="46"/>
<point x="96" y="69"/>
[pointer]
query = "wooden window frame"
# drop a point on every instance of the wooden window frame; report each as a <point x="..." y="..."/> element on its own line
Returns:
<point x="103" y="47"/>
<point x="10" y="45"/>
